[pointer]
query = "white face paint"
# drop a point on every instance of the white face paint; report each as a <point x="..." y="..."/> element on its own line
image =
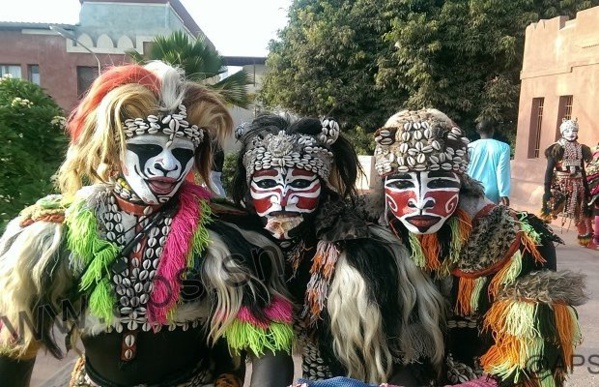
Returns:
<point x="570" y="133"/>
<point x="423" y="201"/>
<point x="282" y="196"/>
<point x="153" y="170"/>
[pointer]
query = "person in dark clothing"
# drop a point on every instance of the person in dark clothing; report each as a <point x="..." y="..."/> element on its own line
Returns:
<point x="217" y="170"/>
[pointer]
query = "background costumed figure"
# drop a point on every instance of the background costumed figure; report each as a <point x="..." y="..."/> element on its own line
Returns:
<point x="494" y="265"/>
<point x="363" y="309"/>
<point x="134" y="264"/>
<point x="566" y="188"/>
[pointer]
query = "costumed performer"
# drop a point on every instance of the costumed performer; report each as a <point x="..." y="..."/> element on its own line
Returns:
<point x="158" y="291"/>
<point x="513" y="315"/>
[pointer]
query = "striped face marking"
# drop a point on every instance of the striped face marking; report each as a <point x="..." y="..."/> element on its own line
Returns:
<point x="155" y="168"/>
<point x="284" y="193"/>
<point x="422" y="201"/>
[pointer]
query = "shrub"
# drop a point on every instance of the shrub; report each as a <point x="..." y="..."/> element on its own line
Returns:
<point x="32" y="146"/>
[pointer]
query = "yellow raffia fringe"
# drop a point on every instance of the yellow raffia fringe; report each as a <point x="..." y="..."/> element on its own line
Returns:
<point x="478" y="287"/>
<point x="515" y="318"/>
<point x="417" y="253"/>
<point x="507" y="275"/>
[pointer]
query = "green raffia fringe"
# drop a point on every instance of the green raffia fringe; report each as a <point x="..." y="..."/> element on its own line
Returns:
<point x="97" y="255"/>
<point x="101" y="301"/>
<point x="530" y="231"/>
<point x="417" y="253"/>
<point x="475" y="297"/>
<point x="242" y="335"/>
<point x="94" y="253"/>
<point x="514" y="270"/>
<point x="201" y="238"/>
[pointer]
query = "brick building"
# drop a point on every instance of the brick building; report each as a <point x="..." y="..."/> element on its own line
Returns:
<point x="106" y="28"/>
<point x="560" y="78"/>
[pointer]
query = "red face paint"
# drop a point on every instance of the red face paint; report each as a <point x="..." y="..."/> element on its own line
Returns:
<point x="422" y="201"/>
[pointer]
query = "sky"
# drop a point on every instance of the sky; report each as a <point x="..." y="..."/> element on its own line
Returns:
<point x="236" y="27"/>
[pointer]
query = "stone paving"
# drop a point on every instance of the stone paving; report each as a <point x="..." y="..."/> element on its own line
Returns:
<point x="570" y="256"/>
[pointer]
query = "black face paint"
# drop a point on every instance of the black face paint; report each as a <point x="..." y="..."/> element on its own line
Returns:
<point x="183" y="155"/>
<point x="144" y="152"/>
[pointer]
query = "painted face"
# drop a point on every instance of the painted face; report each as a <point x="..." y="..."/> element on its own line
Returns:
<point x="422" y="201"/>
<point x="283" y="196"/>
<point x="154" y="170"/>
<point x="570" y="133"/>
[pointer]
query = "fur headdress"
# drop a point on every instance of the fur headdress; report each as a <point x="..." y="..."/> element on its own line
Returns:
<point x="274" y="141"/>
<point x="420" y="140"/>
<point x="131" y="100"/>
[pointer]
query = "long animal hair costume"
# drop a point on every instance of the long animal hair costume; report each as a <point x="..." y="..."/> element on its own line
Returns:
<point x="513" y="316"/>
<point x="363" y="309"/>
<point x="566" y="187"/>
<point x="159" y="292"/>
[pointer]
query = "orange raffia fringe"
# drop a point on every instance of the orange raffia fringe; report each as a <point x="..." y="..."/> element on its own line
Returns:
<point x="504" y="354"/>
<point x="495" y="317"/>
<point x="323" y="265"/>
<point x="568" y="330"/>
<point x="431" y="249"/>
<point x="531" y="247"/>
<point x="52" y="218"/>
<point x="324" y="259"/>
<point x="465" y="289"/>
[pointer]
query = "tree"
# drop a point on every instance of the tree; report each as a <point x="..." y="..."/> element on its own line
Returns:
<point x="326" y="60"/>
<point x="201" y="63"/>
<point x="360" y="61"/>
<point x="465" y="57"/>
<point x="32" y="147"/>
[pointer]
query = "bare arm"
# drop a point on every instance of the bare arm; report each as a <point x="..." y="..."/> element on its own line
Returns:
<point x="504" y="174"/>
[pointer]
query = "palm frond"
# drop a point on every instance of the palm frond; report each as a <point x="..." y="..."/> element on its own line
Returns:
<point x="201" y="63"/>
<point x="234" y="89"/>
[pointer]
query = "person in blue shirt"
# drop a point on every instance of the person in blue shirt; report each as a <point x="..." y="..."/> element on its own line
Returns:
<point x="490" y="164"/>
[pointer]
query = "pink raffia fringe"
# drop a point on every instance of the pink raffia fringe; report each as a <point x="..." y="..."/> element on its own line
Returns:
<point x="279" y="310"/>
<point x="167" y="285"/>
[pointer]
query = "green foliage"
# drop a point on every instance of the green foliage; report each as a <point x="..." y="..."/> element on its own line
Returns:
<point x="229" y="169"/>
<point x="361" y="61"/>
<point x="201" y="63"/>
<point x="326" y="60"/>
<point x="362" y="141"/>
<point x="32" y="147"/>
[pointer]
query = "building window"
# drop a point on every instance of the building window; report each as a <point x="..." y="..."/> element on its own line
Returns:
<point x="33" y="74"/>
<point x="536" y="120"/>
<point x="564" y="112"/>
<point x="13" y="70"/>
<point x="85" y="77"/>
